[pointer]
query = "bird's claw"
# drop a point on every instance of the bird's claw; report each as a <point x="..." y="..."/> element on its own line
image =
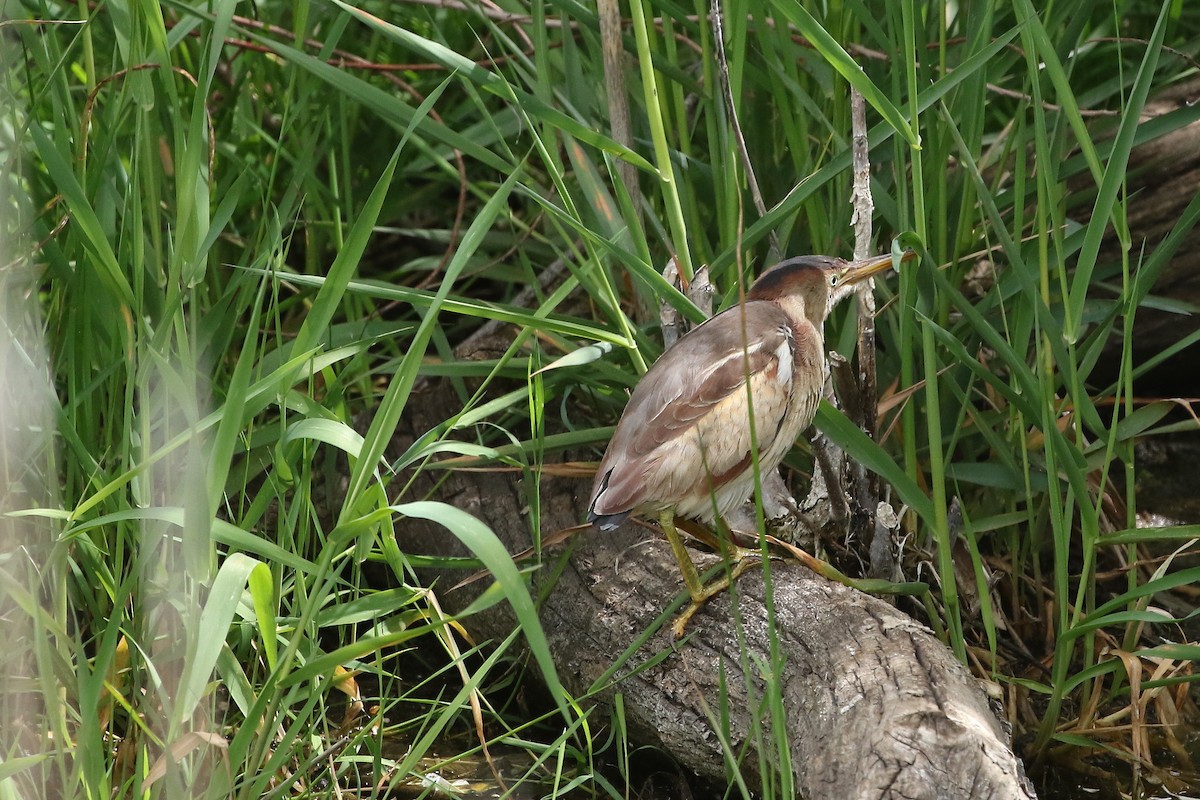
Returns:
<point x="743" y="559"/>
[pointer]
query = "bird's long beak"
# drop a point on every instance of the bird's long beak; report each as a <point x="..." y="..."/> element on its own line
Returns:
<point x="858" y="271"/>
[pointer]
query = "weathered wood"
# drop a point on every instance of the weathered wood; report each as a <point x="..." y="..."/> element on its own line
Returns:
<point x="875" y="706"/>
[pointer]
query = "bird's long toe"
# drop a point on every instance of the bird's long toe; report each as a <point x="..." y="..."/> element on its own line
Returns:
<point x="741" y="559"/>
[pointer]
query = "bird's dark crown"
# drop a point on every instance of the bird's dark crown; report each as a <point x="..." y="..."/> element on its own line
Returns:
<point x="789" y="274"/>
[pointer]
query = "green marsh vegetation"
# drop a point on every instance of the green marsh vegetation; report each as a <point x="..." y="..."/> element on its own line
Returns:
<point x="231" y="228"/>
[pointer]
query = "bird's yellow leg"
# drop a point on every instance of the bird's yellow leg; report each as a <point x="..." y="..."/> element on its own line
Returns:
<point x="691" y="578"/>
<point x="743" y="559"/>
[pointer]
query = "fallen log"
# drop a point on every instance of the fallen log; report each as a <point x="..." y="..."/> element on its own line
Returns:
<point x="874" y="706"/>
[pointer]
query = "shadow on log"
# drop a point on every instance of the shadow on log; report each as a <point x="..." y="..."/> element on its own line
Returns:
<point x="874" y="705"/>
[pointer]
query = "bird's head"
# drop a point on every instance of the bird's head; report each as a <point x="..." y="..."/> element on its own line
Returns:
<point x="819" y="282"/>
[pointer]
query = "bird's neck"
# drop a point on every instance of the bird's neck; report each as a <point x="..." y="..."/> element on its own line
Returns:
<point x="794" y="306"/>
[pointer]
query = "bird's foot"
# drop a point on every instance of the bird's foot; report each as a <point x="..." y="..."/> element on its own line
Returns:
<point x="742" y="559"/>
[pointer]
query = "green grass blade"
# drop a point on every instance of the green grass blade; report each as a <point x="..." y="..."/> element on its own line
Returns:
<point x="846" y="435"/>
<point x="218" y="612"/>
<point x="849" y="69"/>
<point x="223" y="532"/>
<point x="386" y="105"/>
<point x="333" y="288"/>
<point x="83" y="214"/>
<point x="481" y="541"/>
<point x="471" y="307"/>
<point x="1114" y="176"/>
<point x="387" y="416"/>
<point x="496" y="84"/>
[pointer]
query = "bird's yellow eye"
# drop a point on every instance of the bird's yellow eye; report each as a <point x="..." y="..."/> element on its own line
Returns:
<point x="833" y="279"/>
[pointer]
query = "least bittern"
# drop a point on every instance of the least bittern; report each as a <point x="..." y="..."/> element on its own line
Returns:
<point x="684" y="442"/>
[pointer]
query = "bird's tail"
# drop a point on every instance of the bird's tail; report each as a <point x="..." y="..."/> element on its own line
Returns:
<point x="608" y="522"/>
<point x="605" y="522"/>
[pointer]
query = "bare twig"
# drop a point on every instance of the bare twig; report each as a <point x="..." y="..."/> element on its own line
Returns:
<point x="866" y="489"/>
<point x="668" y="315"/>
<point x="699" y="290"/>
<point x="864" y="210"/>
<point x="860" y="192"/>
<point x="827" y="482"/>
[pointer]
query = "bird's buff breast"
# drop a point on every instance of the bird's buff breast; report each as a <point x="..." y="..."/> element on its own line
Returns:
<point x="728" y="428"/>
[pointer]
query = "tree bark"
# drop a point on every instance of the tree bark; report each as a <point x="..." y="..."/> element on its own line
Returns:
<point x="874" y="706"/>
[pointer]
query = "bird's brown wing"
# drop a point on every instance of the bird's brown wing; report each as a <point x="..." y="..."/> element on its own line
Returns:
<point x="686" y="425"/>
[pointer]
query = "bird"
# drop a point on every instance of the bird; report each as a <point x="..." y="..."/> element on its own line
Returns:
<point x="737" y="389"/>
